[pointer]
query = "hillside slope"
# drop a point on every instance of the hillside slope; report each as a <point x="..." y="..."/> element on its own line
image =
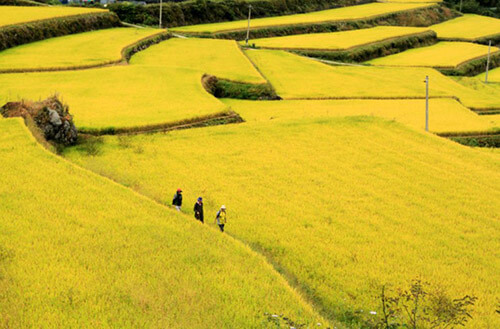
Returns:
<point x="79" y="251"/>
<point x="341" y="205"/>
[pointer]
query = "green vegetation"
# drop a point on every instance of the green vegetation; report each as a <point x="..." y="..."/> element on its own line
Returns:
<point x="73" y="51"/>
<point x="334" y="203"/>
<point x="289" y="73"/>
<point x="78" y="250"/>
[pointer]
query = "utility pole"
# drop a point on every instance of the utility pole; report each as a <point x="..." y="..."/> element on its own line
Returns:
<point x="487" y="63"/>
<point x="248" y="26"/>
<point x="460" y="6"/>
<point x="426" y="103"/>
<point x="161" y="11"/>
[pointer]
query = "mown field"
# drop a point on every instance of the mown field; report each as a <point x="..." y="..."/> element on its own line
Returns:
<point x="73" y="51"/>
<point x="446" y="115"/>
<point x="16" y="14"/>
<point x="79" y="250"/>
<point x="468" y="27"/>
<point x="442" y="54"/>
<point x="338" y="14"/>
<point x="341" y="205"/>
<point x="289" y="73"/>
<point x="337" y="40"/>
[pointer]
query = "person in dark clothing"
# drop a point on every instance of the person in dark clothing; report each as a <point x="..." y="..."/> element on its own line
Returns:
<point x="177" y="201"/>
<point x="198" y="209"/>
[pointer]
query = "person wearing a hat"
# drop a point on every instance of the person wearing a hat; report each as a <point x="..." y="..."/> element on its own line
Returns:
<point x="198" y="209"/>
<point x="221" y="218"/>
<point x="177" y="201"/>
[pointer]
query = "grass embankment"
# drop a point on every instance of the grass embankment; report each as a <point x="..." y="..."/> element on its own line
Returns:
<point x="10" y="15"/>
<point x="78" y="250"/>
<point x="446" y="115"/>
<point x="449" y="57"/>
<point x="352" y="46"/>
<point x="365" y="11"/>
<point x="73" y="51"/>
<point x="162" y="86"/>
<point x="341" y="205"/>
<point x="469" y="27"/>
<point x="290" y="74"/>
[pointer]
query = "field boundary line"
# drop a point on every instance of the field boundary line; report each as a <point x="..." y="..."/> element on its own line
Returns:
<point x="124" y="60"/>
<point x="257" y="68"/>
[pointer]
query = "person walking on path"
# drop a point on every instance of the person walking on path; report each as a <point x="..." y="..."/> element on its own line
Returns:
<point x="221" y="218"/>
<point x="177" y="201"/>
<point x="198" y="209"/>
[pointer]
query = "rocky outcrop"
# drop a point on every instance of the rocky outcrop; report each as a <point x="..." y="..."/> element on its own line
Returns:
<point x="50" y="116"/>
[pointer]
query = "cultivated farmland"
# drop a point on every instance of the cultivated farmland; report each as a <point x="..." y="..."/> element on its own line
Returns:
<point x="440" y="55"/>
<point x="447" y="115"/>
<point x="14" y="15"/>
<point x="468" y="27"/>
<point x="289" y="73"/>
<point x="334" y="202"/>
<point x="339" y="14"/>
<point x="337" y="40"/>
<point x="73" y="51"/>
<point x="125" y="97"/>
<point x="92" y="253"/>
<point x="221" y="58"/>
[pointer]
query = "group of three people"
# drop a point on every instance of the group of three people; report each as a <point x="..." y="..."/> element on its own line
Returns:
<point x="220" y="218"/>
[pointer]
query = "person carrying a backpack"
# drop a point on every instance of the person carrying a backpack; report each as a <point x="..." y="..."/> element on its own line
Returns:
<point x="221" y="218"/>
<point x="177" y="201"/>
<point x="198" y="209"/>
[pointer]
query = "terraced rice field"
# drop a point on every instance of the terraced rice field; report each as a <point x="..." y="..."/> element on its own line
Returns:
<point x="338" y="40"/>
<point x="289" y="73"/>
<point x="79" y="250"/>
<point x="446" y="115"/>
<point x="339" y="14"/>
<point x="222" y="58"/>
<point x="159" y="87"/>
<point x="15" y="14"/>
<point x="335" y="202"/>
<point x="468" y="27"/>
<point x="493" y="75"/>
<point x="121" y="96"/>
<point x="73" y="51"/>
<point x="441" y="55"/>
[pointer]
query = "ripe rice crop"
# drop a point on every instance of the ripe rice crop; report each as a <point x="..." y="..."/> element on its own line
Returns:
<point x="16" y="14"/>
<point x="442" y="55"/>
<point x="468" y="27"/>
<point x="80" y="251"/>
<point x="338" y="14"/>
<point x="337" y="40"/>
<point x="341" y="205"/>
<point x="77" y="50"/>
<point x="493" y="75"/>
<point x="295" y="77"/>
<point x="446" y="115"/>
<point x="118" y="96"/>
<point x="222" y="58"/>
